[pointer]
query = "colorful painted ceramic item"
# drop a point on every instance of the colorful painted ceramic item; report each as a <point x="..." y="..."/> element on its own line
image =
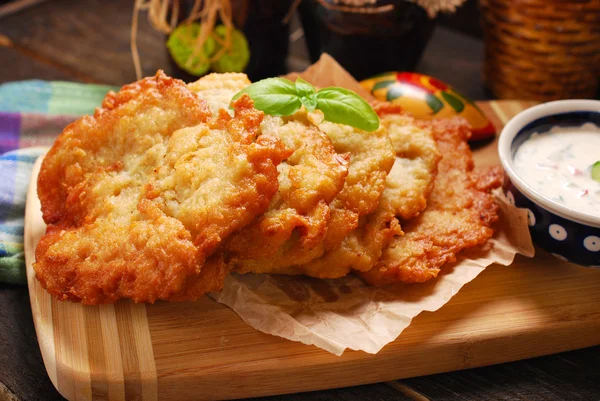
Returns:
<point x="426" y="97"/>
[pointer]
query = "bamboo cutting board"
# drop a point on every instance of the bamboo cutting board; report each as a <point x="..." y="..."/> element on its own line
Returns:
<point x="203" y="350"/>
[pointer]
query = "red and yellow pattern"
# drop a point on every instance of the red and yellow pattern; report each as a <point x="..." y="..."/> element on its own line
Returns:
<point x="427" y="97"/>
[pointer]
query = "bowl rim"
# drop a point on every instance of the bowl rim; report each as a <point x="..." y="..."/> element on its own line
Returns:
<point x="510" y="131"/>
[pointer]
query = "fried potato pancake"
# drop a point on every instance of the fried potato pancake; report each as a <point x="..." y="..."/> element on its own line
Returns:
<point x="371" y="159"/>
<point x="407" y="187"/>
<point x="219" y="89"/>
<point x="410" y="182"/>
<point x="459" y="214"/>
<point x="211" y="278"/>
<point x="137" y="196"/>
<point x="309" y="179"/>
<point x="299" y="215"/>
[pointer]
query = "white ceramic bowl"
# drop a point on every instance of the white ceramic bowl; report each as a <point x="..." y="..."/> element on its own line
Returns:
<point x="567" y="233"/>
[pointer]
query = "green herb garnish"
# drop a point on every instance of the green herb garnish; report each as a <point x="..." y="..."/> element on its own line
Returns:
<point x="596" y="171"/>
<point x="282" y="97"/>
<point x="307" y="94"/>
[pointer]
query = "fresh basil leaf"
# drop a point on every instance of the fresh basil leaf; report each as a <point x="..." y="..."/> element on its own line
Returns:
<point x="342" y="106"/>
<point x="307" y="94"/>
<point x="596" y="171"/>
<point x="274" y="96"/>
<point x="281" y="97"/>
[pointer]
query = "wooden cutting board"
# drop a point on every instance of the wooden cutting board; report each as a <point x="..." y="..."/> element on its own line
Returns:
<point x="203" y="350"/>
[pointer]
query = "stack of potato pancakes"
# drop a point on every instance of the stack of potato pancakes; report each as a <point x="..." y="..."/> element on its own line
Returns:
<point x="169" y="187"/>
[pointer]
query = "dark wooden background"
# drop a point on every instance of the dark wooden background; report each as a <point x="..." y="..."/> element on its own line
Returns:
<point x="88" y="41"/>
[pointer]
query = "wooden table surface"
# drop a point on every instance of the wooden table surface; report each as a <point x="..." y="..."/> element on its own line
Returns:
<point x="88" y="41"/>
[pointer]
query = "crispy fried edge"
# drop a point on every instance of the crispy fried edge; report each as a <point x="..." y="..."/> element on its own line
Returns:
<point x="451" y="135"/>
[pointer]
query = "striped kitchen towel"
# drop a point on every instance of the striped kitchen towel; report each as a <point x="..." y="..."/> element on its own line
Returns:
<point x="32" y="114"/>
<point x="15" y="169"/>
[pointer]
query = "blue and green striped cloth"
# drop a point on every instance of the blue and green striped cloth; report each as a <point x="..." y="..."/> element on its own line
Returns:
<point x="32" y="114"/>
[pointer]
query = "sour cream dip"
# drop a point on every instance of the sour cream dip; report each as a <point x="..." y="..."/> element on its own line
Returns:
<point x="558" y="165"/>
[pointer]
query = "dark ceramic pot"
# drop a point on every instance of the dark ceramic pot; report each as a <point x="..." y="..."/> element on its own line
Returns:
<point x="389" y="35"/>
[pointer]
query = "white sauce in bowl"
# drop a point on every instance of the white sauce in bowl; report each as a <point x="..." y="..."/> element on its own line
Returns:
<point x="557" y="165"/>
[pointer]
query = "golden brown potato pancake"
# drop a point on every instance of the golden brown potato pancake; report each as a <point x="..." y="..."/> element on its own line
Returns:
<point x="137" y="196"/>
<point x="219" y="89"/>
<point x="371" y="158"/>
<point x="309" y="179"/>
<point x="299" y="214"/>
<point x="459" y="214"/>
<point x="407" y="187"/>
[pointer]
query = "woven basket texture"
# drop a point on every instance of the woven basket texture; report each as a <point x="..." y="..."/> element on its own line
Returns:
<point x="542" y="49"/>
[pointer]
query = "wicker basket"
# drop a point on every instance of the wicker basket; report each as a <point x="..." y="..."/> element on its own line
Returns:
<point x="542" y="49"/>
